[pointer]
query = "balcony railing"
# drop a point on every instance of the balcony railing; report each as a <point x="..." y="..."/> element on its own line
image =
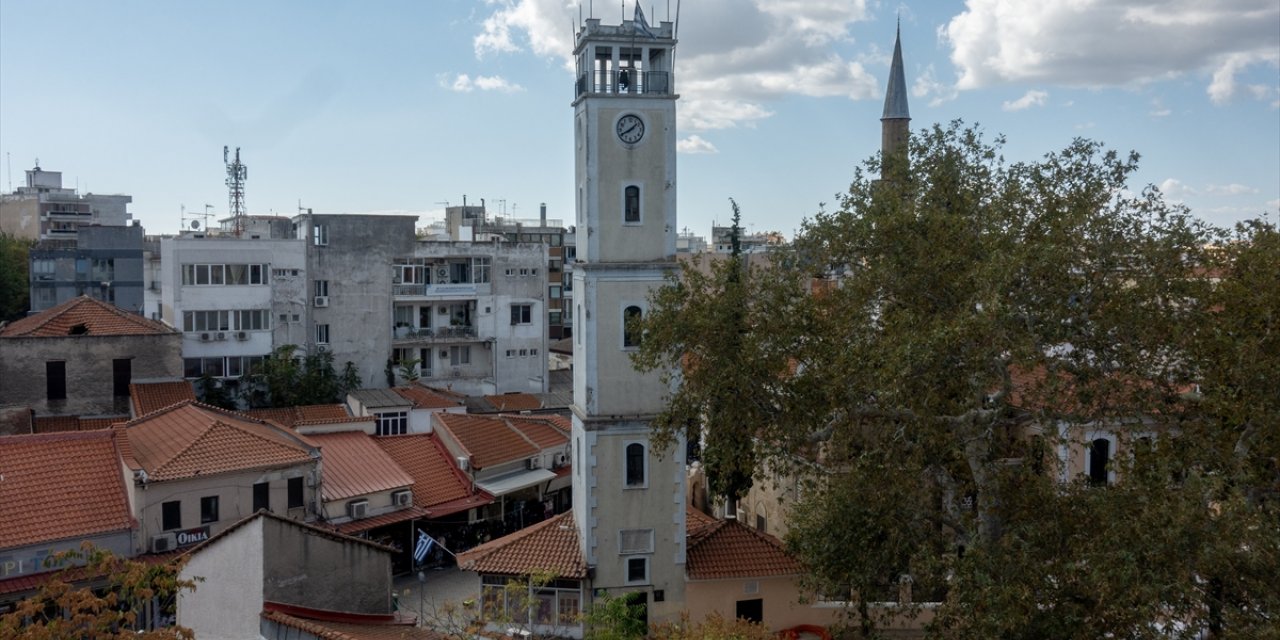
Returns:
<point x="403" y="335"/>
<point x="441" y="290"/>
<point x="634" y="82"/>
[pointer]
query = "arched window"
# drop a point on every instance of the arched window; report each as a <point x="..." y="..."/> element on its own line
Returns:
<point x="631" y="204"/>
<point x="1099" y="456"/>
<point x="635" y="465"/>
<point x="631" y="332"/>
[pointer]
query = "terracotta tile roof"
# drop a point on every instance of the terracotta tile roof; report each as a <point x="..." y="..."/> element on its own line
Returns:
<point x="154" y="396"/>
<point x="515" y="402"/>
<point x="60" y="485"/>
<point x="55" y="424"/>
<point x="424" y="398"/>
<point x="730" y="549"/>
<point x="355" y="466"/>
<point x="436" y="478"/>
<point x="695" y="520"/>
<point x="488" y="441"/>
<point x="543" y="433"/>
<point x="402" y="628"/>
<point x="353" y="527"/>
<point x="191" y="439"/>
<point x="306" y="414"/>
<point x="97" y="318"/>
<point x="550" y="545"/>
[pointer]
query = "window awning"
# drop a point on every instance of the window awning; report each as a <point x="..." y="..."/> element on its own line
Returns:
<point x="510" y="483"/>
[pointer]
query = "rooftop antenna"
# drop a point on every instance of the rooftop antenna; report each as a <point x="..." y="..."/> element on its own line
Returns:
<point x="206" y="215"/>
<point x="236" y="175"/>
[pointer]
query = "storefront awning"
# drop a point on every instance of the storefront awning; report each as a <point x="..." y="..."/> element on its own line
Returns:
<point x="511" y="483"/>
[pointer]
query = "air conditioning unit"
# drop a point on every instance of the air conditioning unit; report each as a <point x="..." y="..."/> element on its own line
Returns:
<point x="242" y="336"/>
<point x="442" y="274"/>
<point x="464" y="463"/>
<point x="222" y="335"/>
<point x="358" y="509"/>
<point x="533" y="463"/>
<point x="204" y="337"/>
<point x="561" y="460"/>
<point x="321" y="348"/>
<point x="163" y="542"/>
<point x="402" y="498"/>
<point x="321" y="301"/>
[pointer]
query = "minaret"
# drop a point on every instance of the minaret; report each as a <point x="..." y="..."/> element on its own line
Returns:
<point x="895" y="124"/>
<point x="628" y="496"/>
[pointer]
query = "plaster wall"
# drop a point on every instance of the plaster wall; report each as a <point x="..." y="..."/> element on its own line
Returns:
<point x="324" y="573"/>
<point x="227" y="604"/>
<point x="89" y="377"/>
<point x="780" y="596"/>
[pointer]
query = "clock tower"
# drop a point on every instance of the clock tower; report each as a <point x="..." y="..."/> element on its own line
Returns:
<point x="629" y="496"/>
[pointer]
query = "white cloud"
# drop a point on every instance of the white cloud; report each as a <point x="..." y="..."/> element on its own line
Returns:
<point x="1115" y="43"/>
<point x="1274" y="204"/>
<point x="1175" y="188"/>
<point x="1232" y="189"/>
<point x="695" y="144"/>
<point x="928" y="86"/>
<point x="1033" y="98"/>
<point x="1158" y="109"/>
<point x="464" y="83"/>
<point x="727" y="76"/>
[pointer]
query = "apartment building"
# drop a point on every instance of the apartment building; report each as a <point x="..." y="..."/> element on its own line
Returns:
<point x="471" y="315"/>
<point x="102" y="262"/>
<point x="45" y="210"/>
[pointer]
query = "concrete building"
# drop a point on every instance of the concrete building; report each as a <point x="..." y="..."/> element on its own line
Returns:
<point x="80" y="357"/>
<point x="233" y="299"/>
<point x="349" y="286"/>
<point x="470" y="316"/>
<point x="103" y="262"/>
<point x="45" y="210"/>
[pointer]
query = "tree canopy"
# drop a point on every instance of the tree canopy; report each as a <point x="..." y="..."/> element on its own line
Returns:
<point x="933" y="359"/>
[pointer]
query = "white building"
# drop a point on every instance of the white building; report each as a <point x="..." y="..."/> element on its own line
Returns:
<point x="472" y="315"/>
<point x="45" y="210"/>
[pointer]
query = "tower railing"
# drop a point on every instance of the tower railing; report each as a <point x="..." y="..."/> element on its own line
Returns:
<point x="625" y="81"/>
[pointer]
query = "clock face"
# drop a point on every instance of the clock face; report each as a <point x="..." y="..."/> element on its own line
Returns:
<point x="630" y="128"/>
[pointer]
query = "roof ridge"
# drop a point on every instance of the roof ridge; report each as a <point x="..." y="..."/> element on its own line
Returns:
<point x="204" y="433"/>
<point x="479" y="553"/>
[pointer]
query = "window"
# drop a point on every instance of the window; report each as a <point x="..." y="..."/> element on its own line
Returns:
<point x="226" y="274"/>
<point x="55" y="375"/>
<point x="460" y="355"/>
<point x="635" y="464"/>
<point x="393" y="423"/>
<point x="322" y="334"/>
<point x="320" y="235"/>
<point x="121" y="376"/>
<point x="322" y="288"/>
<point x="1099" y="456"/>
<point x="252" y="320"/>
<point x="208" y="509"/>
<point x="637" y="570"/>
<point x="554" y="317"/>
<point x="631" y="204"/>
<point x="480" y="270"/>
<point x="750" y="610"/>
<point x="296" y="500"/>
<point x="261" y="496"/>
<point x="554" y="291"/>
<point x="631" y="333"/>
<point x="171" y="515"/>
<point x="521" y="314"/>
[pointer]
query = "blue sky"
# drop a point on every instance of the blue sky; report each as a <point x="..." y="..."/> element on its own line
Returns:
<point x="399" y="107"/>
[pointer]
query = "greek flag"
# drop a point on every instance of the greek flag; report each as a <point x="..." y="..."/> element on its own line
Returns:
<point x="641" y="25"/>
<point x="420" y="551"/>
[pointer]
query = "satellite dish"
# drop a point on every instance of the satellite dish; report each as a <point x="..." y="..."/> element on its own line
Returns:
<point x="195" y="224"/>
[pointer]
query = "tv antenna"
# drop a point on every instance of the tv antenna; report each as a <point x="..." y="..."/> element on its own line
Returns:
<point x="237" y="173"/>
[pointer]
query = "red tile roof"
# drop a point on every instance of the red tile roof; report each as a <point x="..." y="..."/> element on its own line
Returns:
<point x="488" y="441"/>
<point x="154" y="396"/>
<point x="352" y="527"/>
<point x="695" y="520"/>
<point x="306" y="414"/>
<point x="515" y="402"/>
<point x="397" y="627"/>
<point x="549" y="546"/>
<point x="424" y="398"/>
<point x="544" y="433"/>
<point x="97" y="319"/>
<point x="355" y="466"/>
<point x="55" y="424"/>
<point x="59" y="486"/>
<point x="730" y="549"/>
<point x="436" y="479"/>
<point x="192" y="439"/>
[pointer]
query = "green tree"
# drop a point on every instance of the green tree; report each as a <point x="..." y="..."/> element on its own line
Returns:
<point x="60" y="610"/>
<point x="348" y="380"/>
<point x="14" y="286"/>
<point x="932" y="344"/>
<point x="213" y="393"/>
<point x="285" y="380"/>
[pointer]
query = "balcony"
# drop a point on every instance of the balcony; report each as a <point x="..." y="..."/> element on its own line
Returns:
<point x="636" y="83"/>
<point x="405" y="336"/>
<point x="440" y="291"/>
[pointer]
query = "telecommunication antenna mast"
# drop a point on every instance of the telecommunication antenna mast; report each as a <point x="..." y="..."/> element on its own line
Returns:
<point x="236" y="175"/>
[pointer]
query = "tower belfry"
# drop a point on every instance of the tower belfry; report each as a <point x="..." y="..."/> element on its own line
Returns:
<point x="895" y="124"/>
<point x="628" y="496"/>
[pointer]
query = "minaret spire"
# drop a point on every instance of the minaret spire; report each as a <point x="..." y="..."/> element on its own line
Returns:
<point x="895" y="124"/>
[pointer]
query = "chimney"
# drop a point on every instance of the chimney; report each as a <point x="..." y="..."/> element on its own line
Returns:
<point x="542" y="218"/>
